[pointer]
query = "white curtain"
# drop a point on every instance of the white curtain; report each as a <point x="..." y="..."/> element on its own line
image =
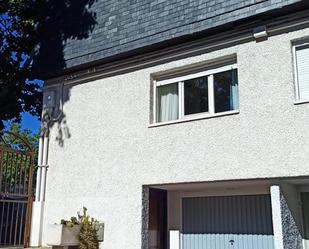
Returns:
<point x="168" y="102"/>
<point x="234" y="101"/>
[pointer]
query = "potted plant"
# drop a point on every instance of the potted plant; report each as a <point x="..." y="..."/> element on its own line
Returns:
<point x="81" y="231"/>
<point x="64" y="234"/>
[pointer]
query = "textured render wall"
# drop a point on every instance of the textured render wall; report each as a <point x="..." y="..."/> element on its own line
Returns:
<point x="111" y="152"/>
<point x="145" y="215"/>
<point x="292" y="198"/>
<point x="292" y="238"/>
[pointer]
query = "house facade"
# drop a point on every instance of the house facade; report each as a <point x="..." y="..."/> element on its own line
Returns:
<point x="186" y="133"/>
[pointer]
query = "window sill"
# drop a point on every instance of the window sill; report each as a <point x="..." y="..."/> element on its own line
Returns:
<point x="196" y="117"/>
<point x="299" y="102"/>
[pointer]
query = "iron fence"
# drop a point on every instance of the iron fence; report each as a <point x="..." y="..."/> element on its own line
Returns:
<point x="16" y="172"/>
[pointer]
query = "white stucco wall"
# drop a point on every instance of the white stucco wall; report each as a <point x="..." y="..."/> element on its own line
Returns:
<point x="112" y="152"/>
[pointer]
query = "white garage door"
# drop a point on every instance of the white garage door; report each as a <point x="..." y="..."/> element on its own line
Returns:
<point x="229" y="222"/>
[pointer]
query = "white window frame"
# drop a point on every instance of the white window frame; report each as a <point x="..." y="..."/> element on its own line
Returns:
<point x="297" y="100"/>
<point x="180" y="80"/>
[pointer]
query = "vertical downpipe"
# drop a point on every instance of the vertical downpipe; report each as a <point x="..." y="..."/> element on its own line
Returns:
<point x="38" y="205"/>
<point x="39" y="170"/>
<point x="44" y="168"/>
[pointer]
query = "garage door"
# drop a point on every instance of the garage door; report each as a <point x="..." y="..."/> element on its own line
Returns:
<point x="229" y="222"/>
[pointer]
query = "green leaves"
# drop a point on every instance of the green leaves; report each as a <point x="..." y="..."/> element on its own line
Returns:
<point x="33" y="36"/>
<point x="13" y="142"/>
<point x="70" y="223"/>
<point x="18" y="38"/>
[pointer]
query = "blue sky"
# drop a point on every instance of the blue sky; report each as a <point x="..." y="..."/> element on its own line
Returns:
<point x="30" y="122"/>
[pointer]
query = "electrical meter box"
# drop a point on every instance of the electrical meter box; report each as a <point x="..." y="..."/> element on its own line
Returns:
<point x="49" y="100"/>
<point x="100" y="231"/>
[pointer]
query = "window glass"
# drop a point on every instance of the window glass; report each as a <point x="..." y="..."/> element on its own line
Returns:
<point x="205" y="93"/>
<point x="226" y="91"/>
<point x="302" y="64"/>
<point x="196" y="95"/>
<point x="168" y="103"/>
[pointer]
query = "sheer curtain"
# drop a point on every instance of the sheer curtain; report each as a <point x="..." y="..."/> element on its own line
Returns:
<point x="234" y="102"/>
<point x="168" y="108"/>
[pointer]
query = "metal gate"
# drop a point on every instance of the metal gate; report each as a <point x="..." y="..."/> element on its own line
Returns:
<point x="16" y="171"/>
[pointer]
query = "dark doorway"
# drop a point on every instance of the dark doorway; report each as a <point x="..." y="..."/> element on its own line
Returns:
<point x="157" y="229"/>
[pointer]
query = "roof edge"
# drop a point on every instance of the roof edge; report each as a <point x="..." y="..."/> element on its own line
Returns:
<point x="158" y="54"/>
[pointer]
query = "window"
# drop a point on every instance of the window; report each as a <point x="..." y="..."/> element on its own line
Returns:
<point x="301" y="61"/>
<point x="197" y="95"/>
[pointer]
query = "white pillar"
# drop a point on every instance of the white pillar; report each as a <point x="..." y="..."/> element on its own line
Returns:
<point x="174" y="239"/>
<point x="36" y="224"/>
<point x="277" y="216"/>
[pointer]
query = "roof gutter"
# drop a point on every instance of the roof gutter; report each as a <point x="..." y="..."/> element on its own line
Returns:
<point x="176" y="52"/>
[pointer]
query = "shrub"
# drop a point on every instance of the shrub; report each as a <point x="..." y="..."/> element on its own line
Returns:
<point x="88" y="234"/>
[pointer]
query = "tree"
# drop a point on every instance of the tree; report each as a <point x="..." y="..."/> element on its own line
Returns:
<point x="17" y="41"/>
<point x="13" y="142"/>
<point x="32" y="38"/>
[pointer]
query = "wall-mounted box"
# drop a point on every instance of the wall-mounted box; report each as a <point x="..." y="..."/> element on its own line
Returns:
<point x="100" y="231"/>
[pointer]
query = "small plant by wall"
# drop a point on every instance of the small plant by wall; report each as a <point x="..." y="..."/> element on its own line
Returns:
<point x="88" y="234"/>
<point x="88" y="229"/>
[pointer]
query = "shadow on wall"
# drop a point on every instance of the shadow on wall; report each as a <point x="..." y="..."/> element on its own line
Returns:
<point x="53" y="103"/>
<point x="63" y="131"/>
<point x="60" y="21"/>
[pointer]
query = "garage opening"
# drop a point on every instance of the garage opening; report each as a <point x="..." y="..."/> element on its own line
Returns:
<point x="227" y="222"/>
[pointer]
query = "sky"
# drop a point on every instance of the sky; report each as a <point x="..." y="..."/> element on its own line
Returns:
<point x="30" y="122"/>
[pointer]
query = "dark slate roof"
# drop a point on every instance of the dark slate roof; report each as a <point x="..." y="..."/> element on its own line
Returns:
<point x="125" y="25"/>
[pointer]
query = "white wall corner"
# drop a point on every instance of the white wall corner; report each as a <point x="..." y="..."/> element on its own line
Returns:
<point x="174" y="239"/>
<point x="36" y="224"/>
<point x="276" y="216"/>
